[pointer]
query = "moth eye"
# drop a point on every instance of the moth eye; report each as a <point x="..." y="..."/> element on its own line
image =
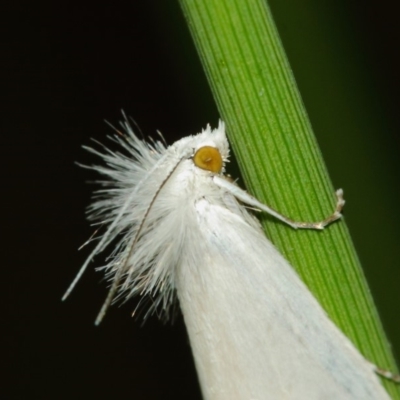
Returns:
<point x="208" y="158"/>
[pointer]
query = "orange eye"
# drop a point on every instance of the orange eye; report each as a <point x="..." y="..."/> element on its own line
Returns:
<point x="208" y="158"/>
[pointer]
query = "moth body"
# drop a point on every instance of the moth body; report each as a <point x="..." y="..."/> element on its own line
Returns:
<point x="255" y="329"/>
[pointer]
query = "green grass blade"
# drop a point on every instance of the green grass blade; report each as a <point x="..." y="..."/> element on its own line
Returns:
<point x="281" y="164"/>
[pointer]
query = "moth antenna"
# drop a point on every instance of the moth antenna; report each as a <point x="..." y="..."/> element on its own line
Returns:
<point x="120" y="271"/>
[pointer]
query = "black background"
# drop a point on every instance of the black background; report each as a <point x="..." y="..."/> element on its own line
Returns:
<point x="67" y="67"/>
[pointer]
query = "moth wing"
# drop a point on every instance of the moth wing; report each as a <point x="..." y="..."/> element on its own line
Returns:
<point x="267" y="335"/>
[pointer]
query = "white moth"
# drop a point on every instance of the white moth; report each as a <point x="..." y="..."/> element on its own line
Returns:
<point x="181" y="229"/>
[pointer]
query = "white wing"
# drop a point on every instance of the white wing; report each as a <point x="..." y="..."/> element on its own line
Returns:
<point x="267" y="335"/>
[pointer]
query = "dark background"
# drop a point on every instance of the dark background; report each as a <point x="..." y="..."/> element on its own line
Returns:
<point x="64" y="69"/>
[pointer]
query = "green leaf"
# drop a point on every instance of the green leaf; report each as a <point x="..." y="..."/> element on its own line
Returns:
<point x="280" y="161"/>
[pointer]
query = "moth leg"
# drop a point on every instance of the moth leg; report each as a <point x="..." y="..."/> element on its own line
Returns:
<point x="328" y="220"/>
<point x="387" y="374"/>
<point x="247" y="199"/>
